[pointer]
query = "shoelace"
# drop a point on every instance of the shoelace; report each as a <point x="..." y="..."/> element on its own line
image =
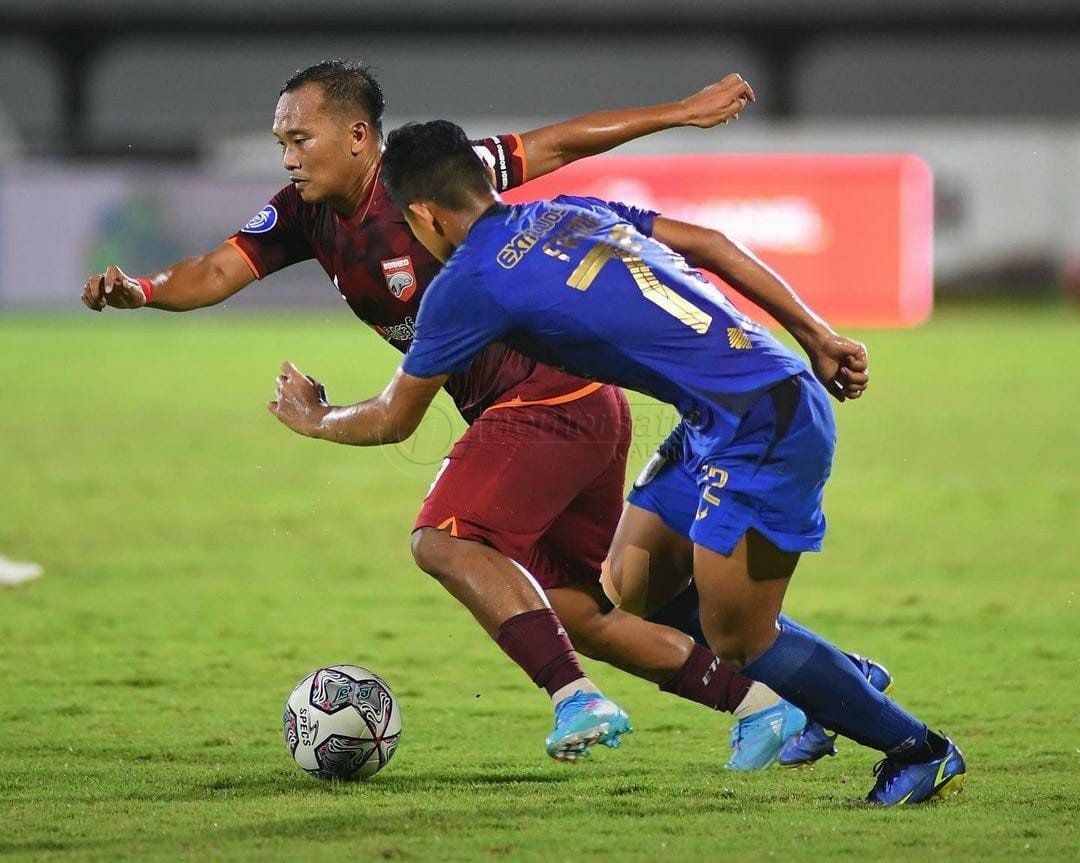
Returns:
<point x="886" y="770"/>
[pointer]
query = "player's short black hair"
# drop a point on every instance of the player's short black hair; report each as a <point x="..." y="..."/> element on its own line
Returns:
<point x="433" y="161"/>
<point x="346" y="85"/>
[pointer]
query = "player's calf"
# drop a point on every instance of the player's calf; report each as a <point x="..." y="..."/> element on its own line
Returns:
<point x="486" y="582"/>
<point x="814" y="741"/>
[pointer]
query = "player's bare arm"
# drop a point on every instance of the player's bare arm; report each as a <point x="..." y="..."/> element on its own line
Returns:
<point x="838" y="362"/>
<point x="550" y="147"/>
<point x="300" y="403"/>
<point x="193" y="283"/>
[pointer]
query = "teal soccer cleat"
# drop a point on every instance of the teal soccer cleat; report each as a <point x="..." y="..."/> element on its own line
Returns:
<point x="814" y="742"/>
<point x="583" y="719"/>
<point x="900" y="784"/>
<point x="758" y="739"/>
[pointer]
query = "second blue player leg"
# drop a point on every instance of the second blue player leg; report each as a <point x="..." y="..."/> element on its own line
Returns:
<point x="741" y="598"/>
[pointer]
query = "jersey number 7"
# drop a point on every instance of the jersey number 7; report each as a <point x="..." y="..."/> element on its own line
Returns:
<point x="620" y="244"/>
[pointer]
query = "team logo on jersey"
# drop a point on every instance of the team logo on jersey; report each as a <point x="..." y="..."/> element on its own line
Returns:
<point x="400" y="277"/>
<point x="403" y="332"/>
<point x="262" y="221"/>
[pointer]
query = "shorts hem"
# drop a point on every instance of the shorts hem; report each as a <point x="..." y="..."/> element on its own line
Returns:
<point x="724" y="543"/>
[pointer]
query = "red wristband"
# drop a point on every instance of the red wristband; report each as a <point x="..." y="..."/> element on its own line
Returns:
<point x="147" y="288"/>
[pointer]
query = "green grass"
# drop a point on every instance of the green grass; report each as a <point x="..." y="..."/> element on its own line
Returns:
<point x="200" y="560"/>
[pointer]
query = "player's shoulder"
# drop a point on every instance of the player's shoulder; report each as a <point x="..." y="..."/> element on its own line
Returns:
<point x="462" y="266"/>
<point x="583" y="202"/>
<point x="608" y="212"/>
<point x="597" y="209"/>
<point x="284" y="208"/>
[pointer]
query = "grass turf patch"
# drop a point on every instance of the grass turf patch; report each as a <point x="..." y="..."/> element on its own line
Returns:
<point x="200" y="560"/>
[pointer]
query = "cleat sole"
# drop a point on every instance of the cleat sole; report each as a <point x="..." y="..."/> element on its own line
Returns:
<point x="951" y="786"/>
<point x="577" y="746"/>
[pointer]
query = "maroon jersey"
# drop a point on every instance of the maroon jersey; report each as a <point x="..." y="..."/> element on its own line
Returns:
<point x="382" y="271"/>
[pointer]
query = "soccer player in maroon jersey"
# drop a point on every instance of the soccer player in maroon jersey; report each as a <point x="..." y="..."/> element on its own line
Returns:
<point x="488" y="530"/>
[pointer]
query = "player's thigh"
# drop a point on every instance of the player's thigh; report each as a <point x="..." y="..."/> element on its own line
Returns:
<point x="741" y="594"/>
<point x="648" y="563"/>
<point x="651" y="556"/>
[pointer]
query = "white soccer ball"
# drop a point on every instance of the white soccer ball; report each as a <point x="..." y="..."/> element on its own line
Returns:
<point x="342" y="722"/>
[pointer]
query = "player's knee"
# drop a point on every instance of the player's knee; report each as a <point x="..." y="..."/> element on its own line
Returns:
<point x="736" y="641"/>
<point x="432" y="550"/>
<point x="611" y="577"/>
<point x="625" y="578"/>
<point x="730" y="651"/>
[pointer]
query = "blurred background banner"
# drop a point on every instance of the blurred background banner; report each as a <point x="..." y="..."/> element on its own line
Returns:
<point x="60" y="223"/>
<point x="854" y="233"/>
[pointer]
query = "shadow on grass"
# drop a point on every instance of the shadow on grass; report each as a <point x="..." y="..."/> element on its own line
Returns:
<point x="294" y="784"/>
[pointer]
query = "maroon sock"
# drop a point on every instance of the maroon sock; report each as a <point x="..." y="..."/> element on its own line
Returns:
<point x="537" y="642"/>
<point x="706" y="680"/>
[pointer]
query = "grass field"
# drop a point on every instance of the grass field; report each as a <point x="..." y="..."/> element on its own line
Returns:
<point x="200" y="560"/>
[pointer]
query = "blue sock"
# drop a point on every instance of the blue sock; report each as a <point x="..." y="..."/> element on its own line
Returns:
<point x="816" y="677"/>
<point x="681" y="613"/>
<point x="787" y="622"/>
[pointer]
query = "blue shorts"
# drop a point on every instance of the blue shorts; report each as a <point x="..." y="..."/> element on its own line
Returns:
<point x="770" y="476"/>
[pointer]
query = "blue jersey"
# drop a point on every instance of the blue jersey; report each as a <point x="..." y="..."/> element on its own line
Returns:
<point x="581" y="285"/>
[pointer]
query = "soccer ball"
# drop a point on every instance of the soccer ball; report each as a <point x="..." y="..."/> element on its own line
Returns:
<point x="342" y="722"/>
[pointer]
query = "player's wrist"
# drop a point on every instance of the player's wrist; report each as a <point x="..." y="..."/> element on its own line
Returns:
<point x="684" y="112"/>
<point x="811" y="333"/>
<point x="320" y="424"/>
<point x="147" y="288"/>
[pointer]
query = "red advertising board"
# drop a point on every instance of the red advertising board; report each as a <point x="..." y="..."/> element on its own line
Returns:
<point x="852" y="234"/>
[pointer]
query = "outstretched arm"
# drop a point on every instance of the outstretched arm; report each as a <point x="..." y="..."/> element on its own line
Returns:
<point x="189" y="284"/>
<point x="300" y="403"/>
<point x="550" y="147"/>
<point x="838" y="362"/>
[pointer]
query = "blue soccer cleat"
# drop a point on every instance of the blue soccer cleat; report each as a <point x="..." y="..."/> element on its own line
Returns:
<point x="814" y="742"/>
<point x="758" y="739"/>
<point x="900" y="784"/>
<point x="583" y="719"/>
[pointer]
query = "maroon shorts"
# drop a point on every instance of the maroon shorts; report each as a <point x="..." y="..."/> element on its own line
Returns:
<point x="540" y="482"/>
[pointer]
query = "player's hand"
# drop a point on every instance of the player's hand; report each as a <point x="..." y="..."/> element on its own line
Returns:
<point x="299" y="401"/>
<point x="718" y="102"/>
<point x="841" y="365"/>
<point x="113" y="288"/>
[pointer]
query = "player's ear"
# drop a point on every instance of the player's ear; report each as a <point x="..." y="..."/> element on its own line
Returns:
<point x="421" y="212"/>
<point x="359" y="132"/>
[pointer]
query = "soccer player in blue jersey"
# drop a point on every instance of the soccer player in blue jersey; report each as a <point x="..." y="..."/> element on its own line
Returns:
<point x="581" y="285"/>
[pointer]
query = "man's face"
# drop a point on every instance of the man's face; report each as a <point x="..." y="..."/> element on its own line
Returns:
<point x="319" y="144"/>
